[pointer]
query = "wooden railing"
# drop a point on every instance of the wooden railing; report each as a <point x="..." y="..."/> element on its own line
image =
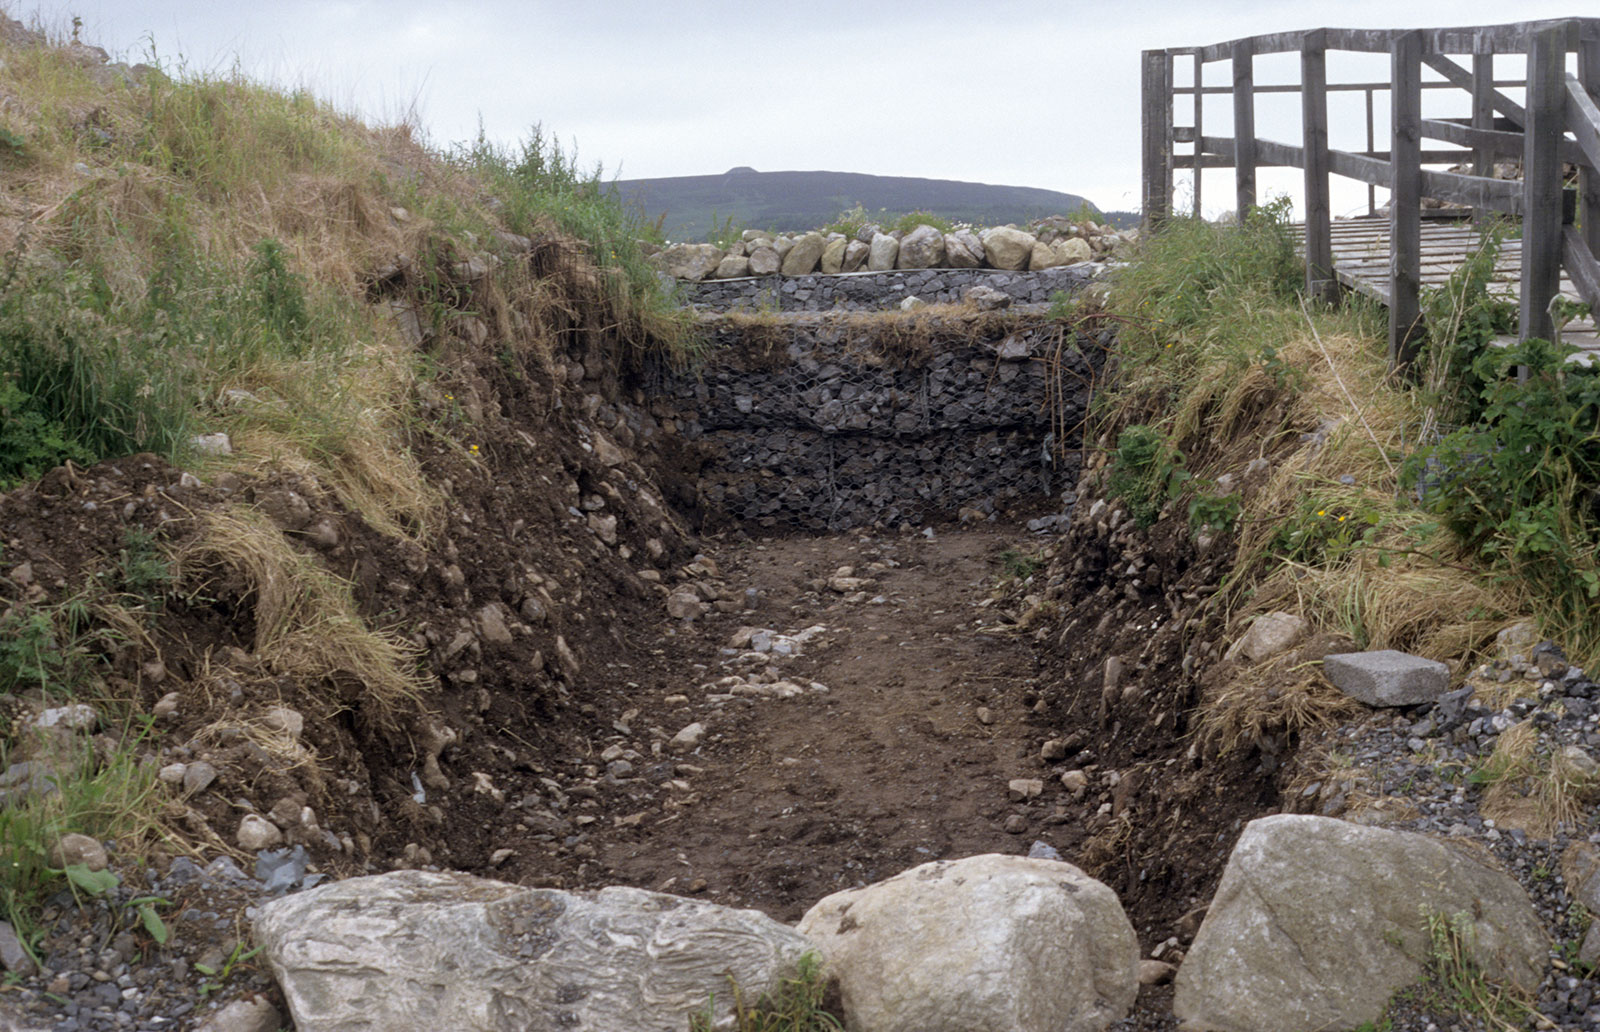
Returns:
<point x="1559" y="123"/>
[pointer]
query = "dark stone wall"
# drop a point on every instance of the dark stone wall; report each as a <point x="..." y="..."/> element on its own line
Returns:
<point x="866" y="291"/>
<point x="803" y="424"/>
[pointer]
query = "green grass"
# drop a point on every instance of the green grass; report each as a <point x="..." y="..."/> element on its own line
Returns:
<point x="796" y="1005"/>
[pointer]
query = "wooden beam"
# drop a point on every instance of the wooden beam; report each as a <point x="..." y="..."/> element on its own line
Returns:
<point x="1155" y="116"/>
<point x="1583" y="120"/>
<point x="1491" y="142"/>
<point x="1199" y="126"/>
<point x="1541" y="183"/>
<point x="1405" y="199"/>
<point x="1244" y="128"/>
<point x="1508" y="38"/>
<point x="1589" y="177"/>
<point x="1501" y="195"/>
<point x="1582" y="268"/>
<point x="1464" y="79"/>
<point x="1483" y="154"/>
<point x="1320" y="282"/>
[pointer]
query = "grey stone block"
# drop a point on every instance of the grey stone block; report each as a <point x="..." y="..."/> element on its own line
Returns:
<point x="1387" y="677"/>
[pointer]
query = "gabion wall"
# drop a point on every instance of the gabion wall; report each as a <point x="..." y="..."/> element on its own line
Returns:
<point x="797" y="427"/>
<point x="865" y="291"/>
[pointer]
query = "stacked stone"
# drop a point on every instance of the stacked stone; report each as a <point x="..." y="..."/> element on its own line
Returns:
<point x="830" y="436"/>
<point x="875" y="291"/>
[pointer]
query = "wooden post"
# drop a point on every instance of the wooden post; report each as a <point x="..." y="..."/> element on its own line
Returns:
<point x="1541" y="180"/>
<point x="1372" y="145"/>
<point x="1244" y="126"/>
<point x="1320" y="282"/>
<point x="1589" y="179"/>
<point x="1405" y="198"/>
<point x="1482" y="118"/>
<point x="1199" y="128"/>
<point x="1156" y="122"/>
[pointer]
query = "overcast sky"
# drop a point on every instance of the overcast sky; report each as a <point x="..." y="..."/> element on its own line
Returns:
<point x="1018" y="92"/>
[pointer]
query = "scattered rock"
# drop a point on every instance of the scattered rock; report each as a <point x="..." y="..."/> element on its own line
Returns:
<point x="73" y="848"/>
<point x="688" y="739"/>
<point x="257" y="833"/>
<point x="999" y="943"/>
<point x="416" y="952"/>
<point x="283" y="720"/>
<point x="13" y="957"/>
<point x="1267" y="636"/>
<point x="1387" y="677"/>
<point x="1276" y="949"/>
<point x="248" y="1014"/>
<point x="1022" y="789"/>
<point x="1155" y="972"/>
<point x="198" y="776"/>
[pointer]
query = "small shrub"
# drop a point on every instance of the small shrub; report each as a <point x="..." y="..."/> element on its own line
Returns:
<point x="1146" y="473"/>
<point x="911" y="220"/>
<point x="797" y="1005"/>
<point x="1020" y="565"/>
<point x="849" y="222"/>
<point x="1211" y="511"/>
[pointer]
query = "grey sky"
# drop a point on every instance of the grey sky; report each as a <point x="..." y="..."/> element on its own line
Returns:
<point x="1020" y="92"/>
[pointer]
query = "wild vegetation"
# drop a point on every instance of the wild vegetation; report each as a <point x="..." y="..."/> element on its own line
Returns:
<point x="197" y="254"/>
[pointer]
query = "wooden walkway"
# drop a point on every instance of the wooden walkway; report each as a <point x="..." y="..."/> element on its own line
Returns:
<point x="1361" y="263"/>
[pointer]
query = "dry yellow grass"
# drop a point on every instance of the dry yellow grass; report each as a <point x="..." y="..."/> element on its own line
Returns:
<point x="306" y="623"/>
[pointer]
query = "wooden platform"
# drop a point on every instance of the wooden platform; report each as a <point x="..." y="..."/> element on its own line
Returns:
<point x="1361" y="262"/>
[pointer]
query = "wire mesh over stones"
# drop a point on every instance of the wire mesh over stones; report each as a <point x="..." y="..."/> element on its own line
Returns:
<point x="800" y="425"/>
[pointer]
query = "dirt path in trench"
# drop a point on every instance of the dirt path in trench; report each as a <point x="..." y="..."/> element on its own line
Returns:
<point x="787" y="800"/>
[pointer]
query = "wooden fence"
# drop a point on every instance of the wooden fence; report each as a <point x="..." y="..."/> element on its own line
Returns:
<point x="1557" y="125"/>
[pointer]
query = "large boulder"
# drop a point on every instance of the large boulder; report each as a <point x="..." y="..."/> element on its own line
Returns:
<point x="1043" y="256"/>
<point x="963" y="250"/>
<point x="764" y="260"/>
<point x="1318" y="922"/>
<point x="414" y="951"/>
<point x="1072" y="250"/>
<point x="884" y="251"/>
<point x="1386" y="677"/>
<point x="732" y="267"/>
<point x="1008" y="248"/>
<point x="922" y="248"/>
<point x="692" y="262"/>
<point x="855" y="256"/>
<point x="833" y="254"/>
<point x="999" y="943"/>
<point x="803" y="257"/>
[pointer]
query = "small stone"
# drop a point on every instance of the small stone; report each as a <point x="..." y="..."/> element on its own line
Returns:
<point x="166" y="707"/>
<point x="73" y="848"/>
<point x="250" y="1014"/>
<point x="13" y="957"/>
<point x="1020" y="789"/>
<point x="285" y="720"/>
<point x="1075" y="781"/>
<point x="257" y="833"/>
<point x="198" y="776"/>
<point x="492" y="625"/>
<point x="323" y="535"/>
<point x="1016" y="824"/>
<point x="985" y="715"/>
<point x="689" y="738"/>
<point x="500" y="856"/>
<point x="77" y="717"/>
<point x="212" y="444"/>
<point x="1053" y="750"/>
<point x="173" y="773"/>
<point x="1155" y="972"/>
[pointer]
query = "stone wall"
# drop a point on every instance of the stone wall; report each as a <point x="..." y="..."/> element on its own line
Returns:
<point x="810" y="423"/>
<point x="863" y="291"/>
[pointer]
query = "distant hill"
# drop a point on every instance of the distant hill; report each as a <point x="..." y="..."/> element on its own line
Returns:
<point x="805" y="200"/>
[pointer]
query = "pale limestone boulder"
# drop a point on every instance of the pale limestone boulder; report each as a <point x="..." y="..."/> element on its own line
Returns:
<point x="922" y="248"/>
<point x="783" y="245"/>
<point x="998" y="943"/>
<point x="855" y="256"/>
<point x="884" y="252"/>
<point x="803" y="257"/>
<point x="833" y="255"/>
<point x="414" y="951"/>
<point x="693" y="262"/>
<point x="1072" y="250"/>
<point x="732" y="267"/>
<point x="764" y="261"/>
<point x="963" y="250"/>
<point x="1318" y="922"/>
<point x="1007" y="248"/>
<point x="1267" y="636"/>
<point x="1043" y="256"/>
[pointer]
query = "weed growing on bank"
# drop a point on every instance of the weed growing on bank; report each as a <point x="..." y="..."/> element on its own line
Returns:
<point x="796" y="1005"/>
